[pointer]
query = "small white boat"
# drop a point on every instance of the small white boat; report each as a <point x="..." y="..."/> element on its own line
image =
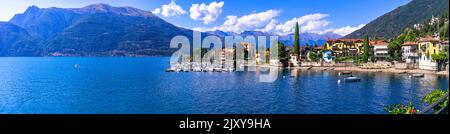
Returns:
<point x="171" y="69"/>
<point x="352" y="79"/>
<point x="418" y="75"/>
<point x="346" y="73"/>
<point x="224" y="70"/>
<point x="197" y="69"/>
<point x="217" y="69"/>
<point x="209" y="69"/>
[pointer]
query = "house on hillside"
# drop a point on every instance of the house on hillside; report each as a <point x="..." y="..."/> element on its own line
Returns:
<point x="427" y="47"/>
<point x="345" y="47"/>
<point x="380" y="49"/>
<point x="409" y="50"/>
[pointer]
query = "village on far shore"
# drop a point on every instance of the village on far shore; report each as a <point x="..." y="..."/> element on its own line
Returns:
<point x="418" y="55"/>
<point x="340" y="54"/>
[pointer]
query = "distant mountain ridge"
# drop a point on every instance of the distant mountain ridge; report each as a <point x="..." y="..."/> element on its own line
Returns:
<point x="305" y="38"/>
<point x="104" y="30"/>
<point x="393" y="23"/>
<point x="15" y="41"/>
<point x="98" y="30"/>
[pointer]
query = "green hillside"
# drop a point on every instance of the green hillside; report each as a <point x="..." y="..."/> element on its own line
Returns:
<point x="393" y="23"/>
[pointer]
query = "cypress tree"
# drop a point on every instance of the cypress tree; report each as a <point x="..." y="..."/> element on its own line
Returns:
<point x="366" y="49"/>
<point x="296" y="40"/>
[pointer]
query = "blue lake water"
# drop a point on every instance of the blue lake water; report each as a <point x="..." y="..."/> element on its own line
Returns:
<point x="141" y="85"/>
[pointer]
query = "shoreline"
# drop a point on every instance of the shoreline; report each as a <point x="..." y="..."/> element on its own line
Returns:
<point x="393" y="70"/>
<point x="387" y="70"/>
<point x="357" y="69"/>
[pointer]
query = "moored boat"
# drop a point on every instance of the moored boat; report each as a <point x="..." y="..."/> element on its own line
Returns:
<point x="418" y="75"/>
<point x="352" y="79"/>
<point x="346" y="73"/>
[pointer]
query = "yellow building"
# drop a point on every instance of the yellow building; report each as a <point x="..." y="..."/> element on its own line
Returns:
<point x="345" y="47"/>
<point x="427" y="47"/>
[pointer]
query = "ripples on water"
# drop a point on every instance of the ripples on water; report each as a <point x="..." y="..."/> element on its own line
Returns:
<point x="140" y="85"/>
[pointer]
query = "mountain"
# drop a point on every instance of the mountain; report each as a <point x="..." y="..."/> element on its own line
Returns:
<point x="255" y="33"/>
<point x="99" y="30"/>
<point x="103" y="30"/>
<point x="309" y="38"/>
<point x="305" y="38"/>
<point x="393" y="23"/>
<point x="15" y="41"/>
<point x="45" y="22"/>
<point x="221" y="33"/>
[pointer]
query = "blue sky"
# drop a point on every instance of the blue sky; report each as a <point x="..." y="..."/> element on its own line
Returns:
<point x="277" y="16"/>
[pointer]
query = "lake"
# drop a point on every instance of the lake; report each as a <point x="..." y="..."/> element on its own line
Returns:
<point x="42" y="85"/>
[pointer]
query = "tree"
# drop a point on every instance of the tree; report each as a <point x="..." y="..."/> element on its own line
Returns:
<point x="366" y="49"/>
<point x="444" y="32"/>
<point x="267" y="55"/>
<point x="440" y="58"/>
<point x="282" y="53"/>
<point x="314" y="56"/>
<point x="296" y="48"/>
<point x="395" y="48"/>
<point x="409" y="35"/>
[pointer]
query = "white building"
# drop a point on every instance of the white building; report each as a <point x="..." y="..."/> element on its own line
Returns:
<point x="294" y="60"/>
<point x="410" y="52"/>
<point x="380" y="49"/>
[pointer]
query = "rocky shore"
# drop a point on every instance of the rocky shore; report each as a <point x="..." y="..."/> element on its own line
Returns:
<point x="387" y="70"/>
<point x="358" y="69"/>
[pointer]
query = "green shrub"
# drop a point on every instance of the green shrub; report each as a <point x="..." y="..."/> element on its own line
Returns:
<point x="401" y="109"/>
<point x="342" y="59"/>
<point x="435" y="96"/>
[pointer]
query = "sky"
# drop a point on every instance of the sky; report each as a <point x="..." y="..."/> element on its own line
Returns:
<point x="274" y="16"/>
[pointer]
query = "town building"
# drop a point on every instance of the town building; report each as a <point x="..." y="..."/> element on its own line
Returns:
<point x="409" y="52"/>
<point x="380" y="49"/>
<point x="427" y="47"/>
<point x="345" y="47"/>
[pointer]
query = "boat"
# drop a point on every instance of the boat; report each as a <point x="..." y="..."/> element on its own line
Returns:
<point x="209" y="69"/>
<point x="418" y="75"/>
<point x="171" y="69"/>
<point x="197" y="69"/>
<point x="217" y="69"/>
<point x="346" y="73"/>
<point x="403" y="72"/>
<point x="352" y="79"/>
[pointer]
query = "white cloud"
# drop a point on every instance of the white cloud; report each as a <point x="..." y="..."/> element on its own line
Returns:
<point x="343" y="30"/>
<point x="267" y="22"/>
<point x="206" y="13"/>
<point x="308" y="23"/>
<point x="157" y="11"/>
<point x="244" y="23"/>
<point x="171" y="9"/>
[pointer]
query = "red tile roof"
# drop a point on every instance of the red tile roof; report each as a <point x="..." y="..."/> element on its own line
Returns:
<point x="409" y="43"/>
<point x="345" y="40"/>
<point x="378" y="43"/>
<point x="429" y="39"/>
